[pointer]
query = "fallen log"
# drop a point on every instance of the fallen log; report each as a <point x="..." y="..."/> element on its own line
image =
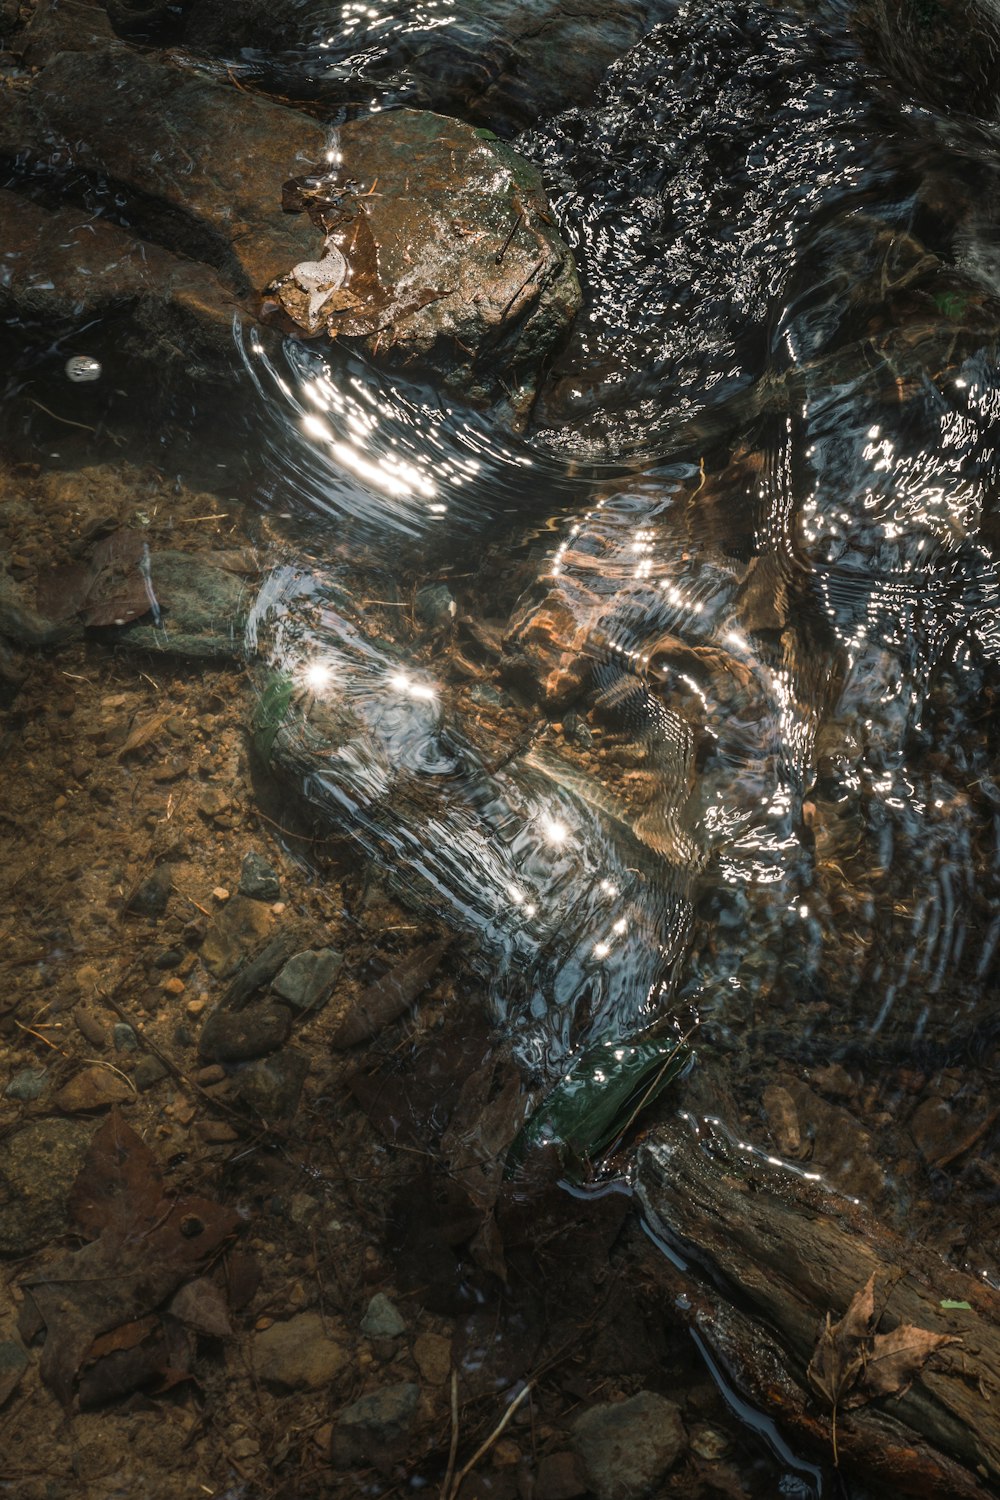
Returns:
<point x="786" y="1262"/>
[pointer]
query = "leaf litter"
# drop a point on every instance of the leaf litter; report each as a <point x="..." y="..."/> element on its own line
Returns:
<point x="852" y="1364"/>
<point x="143" y="1245"/>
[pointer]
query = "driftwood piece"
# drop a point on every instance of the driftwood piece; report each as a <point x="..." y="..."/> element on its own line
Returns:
<point x="787" y="1253"/>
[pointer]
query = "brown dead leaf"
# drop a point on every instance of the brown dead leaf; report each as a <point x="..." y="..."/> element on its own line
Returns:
<point x="141" y="734"/>
<point x="897" y="1358"/>
<point x="837" y="1358"/>
<point x="385" y="1000"/>
<point x="144" y="1245"/>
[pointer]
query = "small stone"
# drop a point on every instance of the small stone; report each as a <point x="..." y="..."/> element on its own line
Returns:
<point x="196" y="1005"/>
<point x="91" y="1027"/>
<point x="93" y="1088"/>
<point x="307" y="978"/>
<point x="183" y="1111"/>
<point x="124" y="1037"/>
<point x="560" y="1476"/>
<point x="214" y="1073"/>
<point x="939" y="1131"/>
<point x="245" y="1447"/>
<point x="506" y="1454"/>
<point x="173" y="986"/>
<point x="239" y="1035"/>
<point x="782" y="1120"/>
<point x="382" y="1320"/>
<point x="150" y="899"/>
<point x="628" y="1447"/>
<point x="238" y="929"/>
<point x="26" y="1085"/>
<point x="217" y="1133"/>
<point x="214" y="803"/>
<point x="148" y="1072"/>
<point x="709" y="1443"/>
<point x="88" y="976"/>
<point x="258" y="879"/>
<point x="169" y="958"/>
<point x="432" y="1355"/>
<point x="272" y="1086"/>
<point x="59" y="803"/>
<point x="220" y="893"/>
<point x="434" y="605"/>
<point x="299" y="1354"/>
<point x="376" y="1428"/>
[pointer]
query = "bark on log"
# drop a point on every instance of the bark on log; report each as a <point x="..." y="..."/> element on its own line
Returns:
<point x="786" y="1252"/>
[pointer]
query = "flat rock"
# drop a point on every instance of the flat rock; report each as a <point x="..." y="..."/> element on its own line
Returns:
<point x="627" y="1447"/>
<point x="38" y="1165"/>
<point x="26" y="1085"/>
<point x="376" y="1428"/>
<point x="258" y="878"/>
<point x="201" y="607"/>
<point x="442" y="256"/>
<point x="299" y="1354"/>
<point x="238" y="929"/>
<point x="432" y="1356"/>
<point x="239" y="1035"/>
<point x="307" y="978"/>
<point x="93" y="1088"/>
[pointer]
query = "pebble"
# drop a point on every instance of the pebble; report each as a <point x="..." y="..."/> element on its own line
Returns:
<point x="214" y="1073"/>
<point x="239" y="928"/>
<point x="238" y="1036"/>
<point x="432" y="1355"/>
<point x="151" y="898"/>
<point x="196" y="1005"/>
<point x="382" y="1320"/>
<point x="307" y="979"/>
<point x="559" y="1476"/>
<point x="90" y="1027"/>
<point x="173" y="986"/>
<point x="26" y="1085"/>
<point x="272" y="1086"/>
<point x="376" y="1428"/>
<point x="148" y="1072"/>
<point x="434" y="605"/>
<point x="299" y="1354"/>
<point x="258" y="879"/>
<point x="220" y="893"/>
<point x="124" y="1037"/>
<point x="169" y="958"/>
<point x="94" y="1088"/>
<point x="628" y="1447"/>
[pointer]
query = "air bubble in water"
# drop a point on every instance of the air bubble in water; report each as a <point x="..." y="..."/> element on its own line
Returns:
<point x="83" y="367"/>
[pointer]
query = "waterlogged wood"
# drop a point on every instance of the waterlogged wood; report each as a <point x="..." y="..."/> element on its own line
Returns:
<point x="794" y="1254"/>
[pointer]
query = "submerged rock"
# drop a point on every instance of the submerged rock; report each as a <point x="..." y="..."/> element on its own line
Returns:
<point x="441" y="254"/>
<point x="628" y="1446"/>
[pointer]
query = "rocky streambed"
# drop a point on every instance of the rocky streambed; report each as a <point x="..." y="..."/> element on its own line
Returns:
<point x="441" y="672"/>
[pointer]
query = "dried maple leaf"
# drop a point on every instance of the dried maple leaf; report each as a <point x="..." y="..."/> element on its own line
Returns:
<point x="838" y="1357"/>
<point x="144" y="1245"/>
<point x="897" y="1358"/>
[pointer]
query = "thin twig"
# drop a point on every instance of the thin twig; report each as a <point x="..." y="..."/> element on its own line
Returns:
<point x="488" y="1444"/>
<point x="57" y="418"/>
<point x="453" y="1449"/>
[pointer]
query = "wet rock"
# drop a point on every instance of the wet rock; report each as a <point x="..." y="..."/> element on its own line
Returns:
<point x="38" y="1165"/>
<point x="299" y="1354"/>
<point x="26" y="1085"/>
<point x="454" y="266"/>
<point x="238" y="928"/>
<point x="939" y="1131"/>
<point x="201" y="610"/>
<point x="209" y="189"/>
<point x="560" y="1476"/>
<point x="501" y="63"/>
<point x="147" y="304"/>
<point x="627" y="1447"/>
<point x="382" y="1320"/>
<point x="149" y="1072"/>
<point x="94" y="1088"/>
<point x="307" y="978"/>
<point x="201" y="1306"/>
<point x="124" y="1037"/>
<point x="841" y="1147"/>
<point x="783" y="1122"/>
<point x="259" y="879"/>
<point x="376" y="1428"/>
<point x="150" y="897"/>
<point x="434" y="605"/>
<point x="63" y="26"/>
<point x="272" y="1086"/>
<point x="237" y="1036"/>
<point x="91" y="1027"/>
<point x="432" y="1354"/>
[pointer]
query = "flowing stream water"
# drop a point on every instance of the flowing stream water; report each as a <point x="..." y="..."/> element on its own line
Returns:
<point x="738" y="578"/>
